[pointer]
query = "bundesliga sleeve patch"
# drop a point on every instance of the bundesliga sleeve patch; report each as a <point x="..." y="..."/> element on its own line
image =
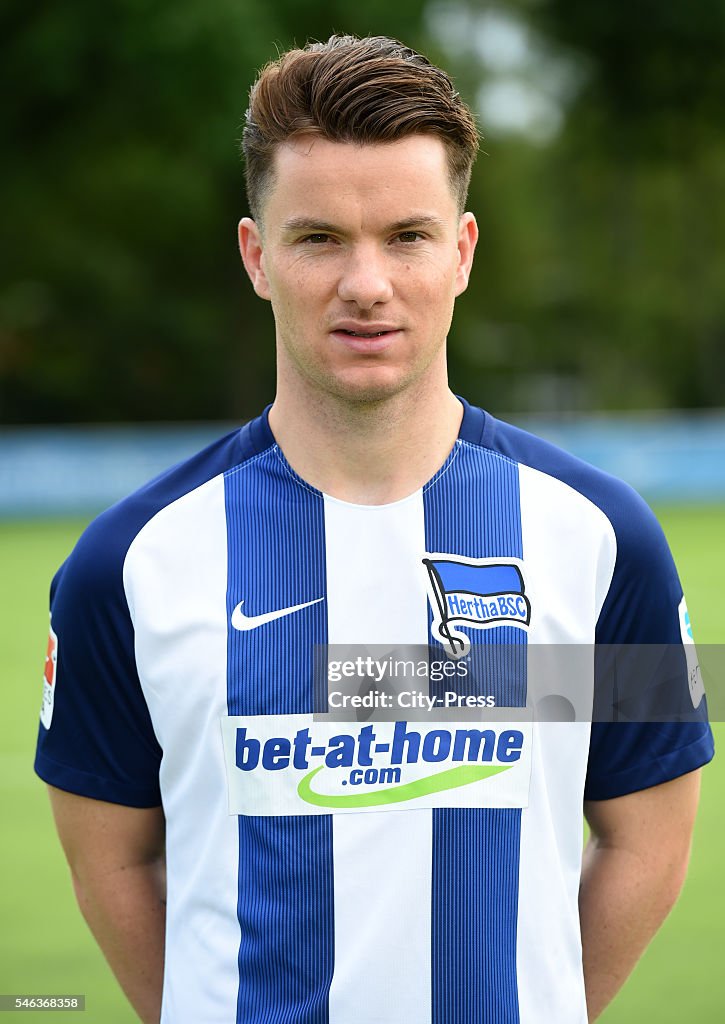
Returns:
<point x="49" y="673"/>
<point x="694" y="674"/>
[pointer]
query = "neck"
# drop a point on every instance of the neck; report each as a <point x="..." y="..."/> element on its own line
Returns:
<point x="367" y="453"/>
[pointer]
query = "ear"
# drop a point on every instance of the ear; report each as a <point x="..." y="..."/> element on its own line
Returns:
<point x="467" y="238"/>
<point x="252" y="249"/>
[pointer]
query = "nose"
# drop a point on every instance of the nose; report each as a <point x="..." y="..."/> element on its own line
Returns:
<point x="365" y="279"/>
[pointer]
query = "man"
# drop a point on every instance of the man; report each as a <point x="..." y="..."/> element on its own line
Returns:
<point x="322" y="872"/>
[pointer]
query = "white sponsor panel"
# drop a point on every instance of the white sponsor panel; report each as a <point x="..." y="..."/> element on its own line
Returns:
<point x="298" y="764"/>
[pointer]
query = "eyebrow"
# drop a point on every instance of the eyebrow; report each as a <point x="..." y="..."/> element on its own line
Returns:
<point x="295" y="224"/>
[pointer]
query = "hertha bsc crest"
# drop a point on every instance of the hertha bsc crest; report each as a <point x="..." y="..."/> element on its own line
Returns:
<point x="482" y="592"/>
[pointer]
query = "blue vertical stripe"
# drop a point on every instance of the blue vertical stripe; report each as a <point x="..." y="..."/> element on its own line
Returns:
<point x="475" y="880"/>
<point x="473" y="509"/>
<point x="286" y="914"/>
<point x="276" y="559"/>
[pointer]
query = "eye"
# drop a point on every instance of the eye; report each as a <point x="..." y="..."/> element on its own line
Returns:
<point x="407" y="237"/>
<point x="318" y="238"/>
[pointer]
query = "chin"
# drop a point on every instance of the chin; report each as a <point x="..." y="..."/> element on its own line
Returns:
<point x="367" y="388"/>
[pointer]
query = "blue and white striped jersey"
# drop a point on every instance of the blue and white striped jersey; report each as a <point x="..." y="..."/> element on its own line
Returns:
<point x="335" y="873"/>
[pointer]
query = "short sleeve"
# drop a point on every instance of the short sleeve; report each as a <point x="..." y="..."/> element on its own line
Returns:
<point x="95" y="736"/>
<point x="650" y="722"/>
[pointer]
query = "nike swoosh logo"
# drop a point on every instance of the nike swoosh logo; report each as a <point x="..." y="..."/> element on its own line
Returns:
<point x="246" y="622"/>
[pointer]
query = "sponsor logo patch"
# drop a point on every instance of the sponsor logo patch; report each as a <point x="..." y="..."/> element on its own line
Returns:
<point x="480" y="592"/>
<point x="297" y="764"/>
<point x="49" y="674"/>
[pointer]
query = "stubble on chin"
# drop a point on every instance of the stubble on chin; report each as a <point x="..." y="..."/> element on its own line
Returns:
<point x="357" y="388"/>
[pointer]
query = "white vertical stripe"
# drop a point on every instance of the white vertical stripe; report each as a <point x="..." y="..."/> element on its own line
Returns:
<point x="568" y="552"/>
<point x="382" y="860"/>
<point x="175" y="577"/>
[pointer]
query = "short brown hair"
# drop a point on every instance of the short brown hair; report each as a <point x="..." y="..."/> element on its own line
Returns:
<point x="364" y="91"/>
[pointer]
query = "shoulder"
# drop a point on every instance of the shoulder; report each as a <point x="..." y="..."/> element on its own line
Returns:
<point x="643" y="565"/>
<point x="96" y="562"/>
<point x="617" y="500"/>
<point x="96" y="737"/>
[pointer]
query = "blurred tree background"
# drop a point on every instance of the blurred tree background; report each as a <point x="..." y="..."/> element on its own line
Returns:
<point x="600" y="271"/>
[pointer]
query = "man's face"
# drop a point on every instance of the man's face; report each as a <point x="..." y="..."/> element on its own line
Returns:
<point x="362" y="256"/>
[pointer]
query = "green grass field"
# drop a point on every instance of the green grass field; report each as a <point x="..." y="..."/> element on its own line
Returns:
<point x="44" y="944"/>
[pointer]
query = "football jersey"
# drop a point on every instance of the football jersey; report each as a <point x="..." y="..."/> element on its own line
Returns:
<point x="363" y="870"/>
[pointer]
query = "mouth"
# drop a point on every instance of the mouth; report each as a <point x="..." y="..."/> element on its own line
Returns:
<point x="369" y="342"/>
<point x="363" y="334"/>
